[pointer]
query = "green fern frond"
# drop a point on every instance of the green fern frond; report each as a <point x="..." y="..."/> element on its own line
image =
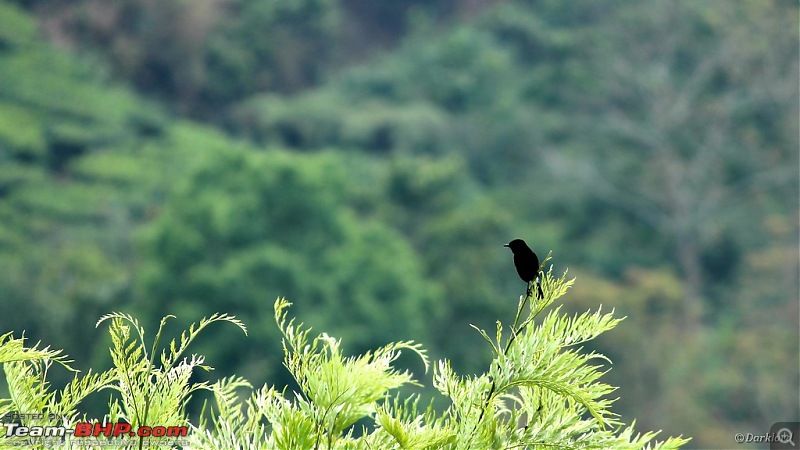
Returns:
<point x="227" y="400"/>
<point x="176" y="349"/>
<point x="482" y="332"/>
<point x="121" y="318"/>
<point x="73" y="394"/>
<point x="14" y="350"/>
<point x="409" y="428"/>
<point x="336" y="391"/>
<point x="28" y="391"/>
<point x="150" y="393"/>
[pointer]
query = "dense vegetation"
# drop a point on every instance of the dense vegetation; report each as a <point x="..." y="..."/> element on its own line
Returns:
<point x="541" y="390"/>
<point x="367" y="162"/>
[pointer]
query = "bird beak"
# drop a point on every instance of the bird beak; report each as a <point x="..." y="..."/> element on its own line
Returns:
<point x="505" y="245"/>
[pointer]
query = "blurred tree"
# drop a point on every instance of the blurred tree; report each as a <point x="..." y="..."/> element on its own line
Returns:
<point x="245" y="228"/>
<point x="201" y="56"/>
<point x="65" y="215"/>
<point x="679" y="143"/>
<point x="271" y="46"/>
<point x="460" y="233"/>
<point x="675" y="134"/>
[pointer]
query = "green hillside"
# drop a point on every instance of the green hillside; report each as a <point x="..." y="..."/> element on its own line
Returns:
<point x="368" y="161"/>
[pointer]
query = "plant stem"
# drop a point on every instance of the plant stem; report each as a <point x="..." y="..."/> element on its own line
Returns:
<point x="514" y="332"/>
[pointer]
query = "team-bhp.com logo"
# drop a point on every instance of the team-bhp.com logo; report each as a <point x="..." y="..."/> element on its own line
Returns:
<point x="86" y="429"/>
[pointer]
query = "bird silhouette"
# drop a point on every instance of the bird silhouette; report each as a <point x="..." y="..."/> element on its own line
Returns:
<point x="527" y="264"/>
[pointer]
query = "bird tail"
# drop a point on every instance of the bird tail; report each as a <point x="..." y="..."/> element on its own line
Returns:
<point x="529" y="291"/>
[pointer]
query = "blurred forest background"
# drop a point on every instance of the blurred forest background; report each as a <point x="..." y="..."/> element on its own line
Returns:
<point x="367" y="160"/>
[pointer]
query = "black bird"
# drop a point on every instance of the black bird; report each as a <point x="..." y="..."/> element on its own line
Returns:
<point x="527" y="264"/>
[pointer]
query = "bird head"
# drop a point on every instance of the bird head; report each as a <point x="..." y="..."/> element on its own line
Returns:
<point x="516" y="245"/>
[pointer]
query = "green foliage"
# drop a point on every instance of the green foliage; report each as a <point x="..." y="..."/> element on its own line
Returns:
<point x="29" y="391"/>
<point x="541" y="389"/>
<point x="152" y="393"/>
<point x="652" y="142"/>
<point x="63" y="233"/>
<point x="277" y="222"/>
<point x="14" y="351"/>
<point x="148" y="391"/>
<point x="314" y="120"/>
<point x="271" y="45"/>
<point x="199" y="58"/>
<point x="337" y="391"/>
<point x="16" y="27"/>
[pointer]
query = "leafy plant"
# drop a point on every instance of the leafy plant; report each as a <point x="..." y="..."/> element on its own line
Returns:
<point x="541" y="390"/>
<point x="149" y="393"/>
